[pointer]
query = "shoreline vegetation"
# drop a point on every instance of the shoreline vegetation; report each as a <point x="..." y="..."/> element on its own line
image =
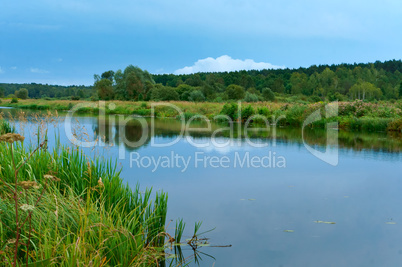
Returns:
<point x="369" y="94"/>
<point x="358" y="115"/>
<point x="60" y="208"/>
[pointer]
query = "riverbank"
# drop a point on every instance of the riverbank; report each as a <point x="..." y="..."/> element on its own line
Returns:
<point x="351" y="116"/>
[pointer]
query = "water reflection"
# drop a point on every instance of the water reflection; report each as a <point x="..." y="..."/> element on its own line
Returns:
<point x="110" y="130"/>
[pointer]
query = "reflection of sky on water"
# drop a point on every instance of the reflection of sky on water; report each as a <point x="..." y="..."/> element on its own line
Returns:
<point x="361" y="194"/>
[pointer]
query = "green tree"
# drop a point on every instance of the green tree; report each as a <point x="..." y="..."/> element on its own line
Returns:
<point x="104" y="89"/>
<point x="108" y="75"/>
<point x="298" y="82"/>
<point x="278" y="85"/>
<point x="267" y="94"/>
<point x="235" y="92"/>
<point x="250" y="97"/>
<point x="133" y="82"/>
<point x="163" y="93"/>
<point x="400" y="90"/>
<point x="329" y="81"/>
<point x="2" y="92"/>
<point x="365" y="90"/>
<point x="81" y="94"/>
<point x="22" y="93"/>
<point x="196" y="96"/>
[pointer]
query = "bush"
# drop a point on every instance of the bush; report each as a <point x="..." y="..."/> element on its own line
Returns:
<point x="295" y="114"/>
<point x="235" y="92"/>
<point x="251" y="97"/>
<point x="247" y="112"/>
<point x="142" y="112"/>
<point x="196" y="96"/>
<point x="218" y="99"/>
<point x="14" y="100"/>
<point x="365" y="124"/>
<point x="264" y="111"/>
<point x="164" y="93"/>
<point x="336" y="97"/>
<point x="315" y="98"/>
<point x="268" y="95"/>
<point x="230" y="110"/>
<point x="395" y="126"/>
<point x="75" y="98"/>
<point x="22" y="93"/>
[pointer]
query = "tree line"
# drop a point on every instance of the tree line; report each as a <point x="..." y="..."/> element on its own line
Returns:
<point x="36" y="90"/>
<point x="371" y="81"/>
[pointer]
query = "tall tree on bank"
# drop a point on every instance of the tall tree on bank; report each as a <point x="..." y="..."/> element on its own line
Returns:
<point x="22" y="93"/>
<point x="103" y="88"/>
<point x="133" y="83"/>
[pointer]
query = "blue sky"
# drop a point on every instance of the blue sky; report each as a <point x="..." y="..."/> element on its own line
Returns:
<point x="66" y="42"/>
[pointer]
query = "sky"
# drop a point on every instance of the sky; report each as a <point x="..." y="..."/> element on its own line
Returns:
<point x="67" y="42"/>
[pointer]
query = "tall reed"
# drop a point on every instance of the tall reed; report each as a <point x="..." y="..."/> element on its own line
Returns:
<point x="86" y="216"/>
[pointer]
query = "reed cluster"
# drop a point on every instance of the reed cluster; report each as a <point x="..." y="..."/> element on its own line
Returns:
<point x="61" y="208"/>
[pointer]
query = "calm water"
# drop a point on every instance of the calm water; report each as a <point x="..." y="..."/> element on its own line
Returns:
<point x="268" y="214"/>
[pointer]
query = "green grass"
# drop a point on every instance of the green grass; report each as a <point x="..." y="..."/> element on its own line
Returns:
<point x="5" y="127"/>
<point x="79" y="221"/>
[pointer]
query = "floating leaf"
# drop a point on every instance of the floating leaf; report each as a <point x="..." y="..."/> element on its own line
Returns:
<point x="390" y="222"/>
<point x="251" y="199"/>
<point x="242" y="199"/>
<point x="324" y="222"/>
<point x="288" y="231"/>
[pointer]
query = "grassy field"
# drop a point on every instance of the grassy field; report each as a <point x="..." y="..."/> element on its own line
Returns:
<point x="352" y="115"/>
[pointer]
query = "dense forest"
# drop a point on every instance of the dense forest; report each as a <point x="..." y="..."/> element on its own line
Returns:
<point x="379" y="80"/>
<point x="372" y="81"/>
<point x="375" y="81"/>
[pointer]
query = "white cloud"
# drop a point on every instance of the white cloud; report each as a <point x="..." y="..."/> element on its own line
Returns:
<point x="36" y="70"/>
<point x="1" y="70"/>
<point x="13" y="68"/>
<point x="225" y="63"/>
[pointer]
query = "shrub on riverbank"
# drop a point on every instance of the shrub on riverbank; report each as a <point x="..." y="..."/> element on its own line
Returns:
<point x="395" y="126"/>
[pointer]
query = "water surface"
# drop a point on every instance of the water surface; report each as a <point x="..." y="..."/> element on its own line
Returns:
<point x="268" y="214"/>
